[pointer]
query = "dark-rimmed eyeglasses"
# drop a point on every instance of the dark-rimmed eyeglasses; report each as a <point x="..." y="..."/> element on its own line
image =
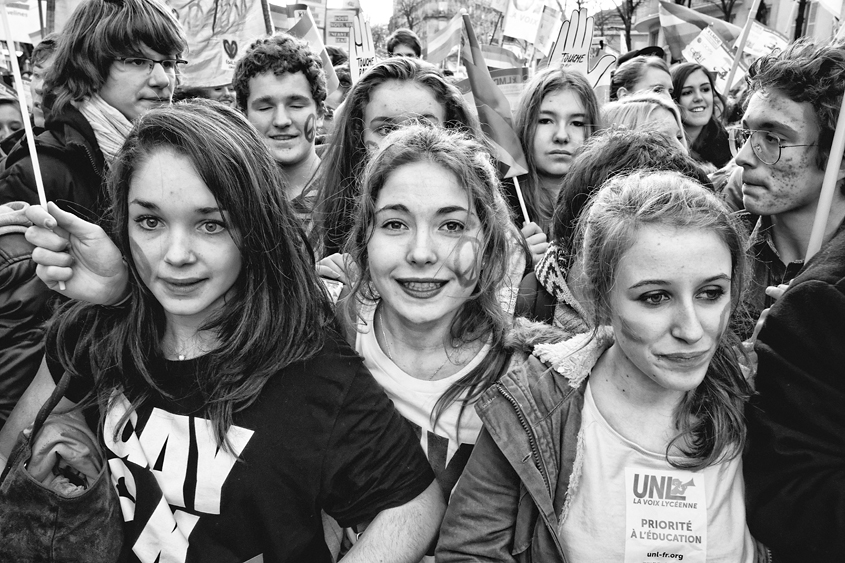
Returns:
<point x="171" y="67"/>
<point x="766" y="145"/>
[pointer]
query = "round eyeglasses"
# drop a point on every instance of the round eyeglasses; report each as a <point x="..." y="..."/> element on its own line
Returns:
<point x="171" y="67"/>
<point x="766" y="145"/>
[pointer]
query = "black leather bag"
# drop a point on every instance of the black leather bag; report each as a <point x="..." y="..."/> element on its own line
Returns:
<point x="39" y="522"/>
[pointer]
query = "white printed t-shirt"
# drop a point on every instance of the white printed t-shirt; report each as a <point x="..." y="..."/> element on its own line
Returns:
<point x="447" y="447"/>
<point x="629" y="505"/>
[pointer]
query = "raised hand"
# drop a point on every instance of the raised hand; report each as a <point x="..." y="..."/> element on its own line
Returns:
<point x="572" y="49"/>
<point x="362" y="53"/>
<point x="78" y="253"/>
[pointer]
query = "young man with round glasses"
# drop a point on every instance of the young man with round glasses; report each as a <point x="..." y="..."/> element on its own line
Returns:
<point x="113" y="62"/>
<point x="782" y="147"/>
<point x="795" y="460"/>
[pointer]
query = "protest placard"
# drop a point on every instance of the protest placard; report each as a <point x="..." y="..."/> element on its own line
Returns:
<point x="708" y="50"/>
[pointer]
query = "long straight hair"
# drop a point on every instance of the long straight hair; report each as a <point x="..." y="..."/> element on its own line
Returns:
<point x="481" y="317"/>
<point x="710" y="418"/>
<point x="540" y="203"/>
<point x="278" y="312"/>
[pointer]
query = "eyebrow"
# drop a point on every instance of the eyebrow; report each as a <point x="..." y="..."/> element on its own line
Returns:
<point x="552" y="112"/>
<point x="153" y="207"/>
<point x="771" y="126"/>
<point x="393" y="120"/>
<point x="402" y="208"/>
<point x="664" y="282"/>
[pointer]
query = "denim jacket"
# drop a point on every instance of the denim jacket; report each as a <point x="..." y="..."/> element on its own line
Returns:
<point x="507" y="504"/>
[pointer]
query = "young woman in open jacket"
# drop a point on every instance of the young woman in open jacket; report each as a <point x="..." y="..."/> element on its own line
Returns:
<point x="622" y="444"/>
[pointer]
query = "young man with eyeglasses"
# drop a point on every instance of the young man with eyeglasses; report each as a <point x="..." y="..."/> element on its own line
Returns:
<point x="795" y="462"/>
<point x="782" y="146"/>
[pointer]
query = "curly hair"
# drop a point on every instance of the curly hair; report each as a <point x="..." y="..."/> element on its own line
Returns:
<point x="97" y="33"/>
<point x="279" y="54"/>
<point x="806" y="72"/>
<point x="710" y="418"/>
<point x="481" y="316"/>
<point x="404" y="37"/>
<point x="613" y="152"/>
<point x="631" y="71"/>
<point x="712" y="142"/>
<point x="540" y="203"/>
<point x="344" y="160"/>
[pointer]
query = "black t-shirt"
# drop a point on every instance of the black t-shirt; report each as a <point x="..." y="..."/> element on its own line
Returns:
<point x="321" y="436"/>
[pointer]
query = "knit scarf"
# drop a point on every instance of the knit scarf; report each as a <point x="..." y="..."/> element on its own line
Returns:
<point x="110" y="126"/>
<point x="551" y="273"/>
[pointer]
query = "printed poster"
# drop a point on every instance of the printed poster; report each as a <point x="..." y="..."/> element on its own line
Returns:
<point x="708" y="50"/>
<point x="338" y="26"/>
<point x="666" y="516"/>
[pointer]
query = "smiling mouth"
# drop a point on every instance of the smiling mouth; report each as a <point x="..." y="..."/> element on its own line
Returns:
<point x="182" y="286"/>
<point x="422" y="289"/>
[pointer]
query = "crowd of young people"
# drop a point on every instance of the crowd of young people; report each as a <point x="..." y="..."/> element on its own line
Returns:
<point x="574" y="387"/>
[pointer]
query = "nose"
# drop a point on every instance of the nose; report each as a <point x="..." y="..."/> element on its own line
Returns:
<point x="281" y="119"/>
<point x="746" y="157"/>
<point x="421" y="251"/>
<point x="561" y="134"/>
<point x="179" y="249"/>
<point x="696" y="95"/>
<point x="159" y="78"/>
<point x="686" y="325"/>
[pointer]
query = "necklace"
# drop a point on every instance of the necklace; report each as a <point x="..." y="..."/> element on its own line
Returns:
<point x="390" y="356"/>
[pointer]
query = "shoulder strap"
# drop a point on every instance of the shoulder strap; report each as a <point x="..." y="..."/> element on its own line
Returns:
<point x="50" y="404"/>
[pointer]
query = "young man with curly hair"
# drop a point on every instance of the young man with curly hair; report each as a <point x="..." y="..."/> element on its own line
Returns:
<point x="795" y="464"/>
<point x="280" y="86"/>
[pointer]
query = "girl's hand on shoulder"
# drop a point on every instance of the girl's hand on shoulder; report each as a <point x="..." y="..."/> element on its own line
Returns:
<point x="536" y="239"/>
<point x="78" y="253"/>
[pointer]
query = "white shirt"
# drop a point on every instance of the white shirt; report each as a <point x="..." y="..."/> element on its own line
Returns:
<point x="630" y="505"/>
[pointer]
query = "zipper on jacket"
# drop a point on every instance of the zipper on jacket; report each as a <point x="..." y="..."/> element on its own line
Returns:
<point x="532" y="441"/>
<point x="91" y="160"/>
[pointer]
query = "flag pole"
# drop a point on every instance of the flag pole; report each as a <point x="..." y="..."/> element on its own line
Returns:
<point x="752" y="13"/>
<point x="521" y="199"/>
<point x="27" y="124"/>
<point x="834" y="162"/>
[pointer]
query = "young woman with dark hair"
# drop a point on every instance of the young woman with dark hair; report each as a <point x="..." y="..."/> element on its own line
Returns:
<point x="702" y="108"/>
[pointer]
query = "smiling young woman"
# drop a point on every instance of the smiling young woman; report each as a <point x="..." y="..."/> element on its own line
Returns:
<point x="701" y="108"/>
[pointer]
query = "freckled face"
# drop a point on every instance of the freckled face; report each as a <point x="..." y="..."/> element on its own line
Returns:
<point x="794" y="182"/>
<point x="425" y="245"/>
<point x="393" y="103"/>
<point x="670" y="304"/>
<point x="180" y="239"/>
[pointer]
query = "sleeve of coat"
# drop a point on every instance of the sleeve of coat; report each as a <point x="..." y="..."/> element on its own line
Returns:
<point x="795" y="463"/>
<point x="480" y="521"/>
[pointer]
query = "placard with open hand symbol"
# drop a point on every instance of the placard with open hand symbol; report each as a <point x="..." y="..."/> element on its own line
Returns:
<point x="572" y="49"/>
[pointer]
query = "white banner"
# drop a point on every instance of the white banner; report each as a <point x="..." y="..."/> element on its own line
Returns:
<point x="23" y="20"/>
<point x="523" y="19"/>
<point x="338" y="24"/>
<point x="219" y="32"/>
